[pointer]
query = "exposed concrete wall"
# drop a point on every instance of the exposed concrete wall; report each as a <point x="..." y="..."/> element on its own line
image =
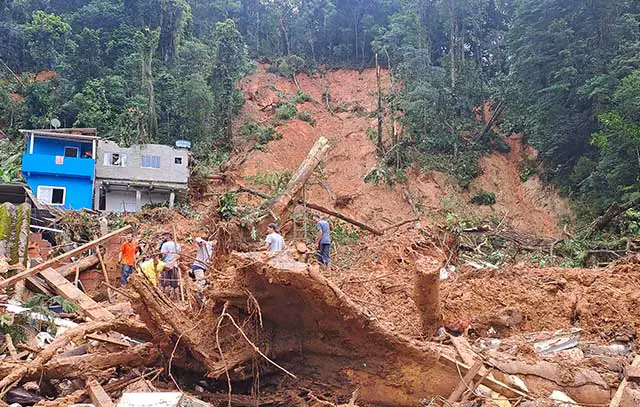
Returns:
<point x="169" y="171"/>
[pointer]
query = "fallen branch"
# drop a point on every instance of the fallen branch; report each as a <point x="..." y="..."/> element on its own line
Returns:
<point x="342" y="216"/>
<point x="397" y="225"/>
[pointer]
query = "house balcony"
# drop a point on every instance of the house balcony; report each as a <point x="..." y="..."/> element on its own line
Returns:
<point x="58" y="165"/>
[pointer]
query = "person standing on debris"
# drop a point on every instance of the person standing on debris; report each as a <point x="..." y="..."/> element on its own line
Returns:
<point x="323" y="239"/>
<point x="170" y="253"/>
<point x="152" y="269"/>
<point x="274" y="241"/>
<point x="127" y="259"/>
<point x="204" y="252"/>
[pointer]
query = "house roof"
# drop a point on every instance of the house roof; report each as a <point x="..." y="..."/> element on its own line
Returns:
<point x="65" y="134"/>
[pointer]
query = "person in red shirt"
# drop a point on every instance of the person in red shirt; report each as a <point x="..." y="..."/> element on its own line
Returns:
<point x="127" y="259"/>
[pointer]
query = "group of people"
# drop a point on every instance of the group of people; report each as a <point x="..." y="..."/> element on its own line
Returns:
<point x="275" y="242"/>
<point x="162" y="268"/>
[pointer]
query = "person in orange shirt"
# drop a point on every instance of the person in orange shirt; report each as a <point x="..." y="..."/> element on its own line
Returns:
<point x="127" y="259"/>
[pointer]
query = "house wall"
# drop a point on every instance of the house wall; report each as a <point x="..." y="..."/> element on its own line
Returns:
<point x="121" y="200"/>
<point x="169" y="172"/>
<point x="48" y="146"/>
<point x="79" y="191"/>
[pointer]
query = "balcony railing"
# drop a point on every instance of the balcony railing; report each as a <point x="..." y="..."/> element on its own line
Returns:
<point x="58" y="165"/>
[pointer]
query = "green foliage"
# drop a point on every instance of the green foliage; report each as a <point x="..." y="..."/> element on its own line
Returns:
<point x="528" y="168"/>
<point x="372" y="134"/>
<point x="262" y="134"/>
<point x="388" y="175"/>
<point x="483" y="197"/>
<point x="306" y="117"/>
<point x="276" y="181"/>
<point x="344" y="233"/>
<point x="227" y="205"/>
<point x="288" y="66"/>
<point x="11" y="153"/>
<point x="47" y="37"/>
<point x="286" y="111"/>
<point x="301" y="97"/>
<point x="463" y="167"/>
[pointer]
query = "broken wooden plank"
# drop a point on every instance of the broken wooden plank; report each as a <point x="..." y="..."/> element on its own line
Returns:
<point x="71" y="293"/>
<point x="61" y="258"/>
<point x="106" y="339"/>
<point x="617" y="398"/>
<point x="344" y="217"/>
<point x="106" y="275"/>
<point x="98" y="396"/>
<point x="493" y="384"/>
<point x="466" y="382"/>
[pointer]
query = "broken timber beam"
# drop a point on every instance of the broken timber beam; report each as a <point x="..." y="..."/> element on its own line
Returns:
<point x="42" y="266"/>
<point x="299" y="179"/>
<point x="84" y="263"/>
<point x="98" y="396"/>
<point x="71" y="293"/>
<point x="339" y="215"/>
<point x="466" y="383"/>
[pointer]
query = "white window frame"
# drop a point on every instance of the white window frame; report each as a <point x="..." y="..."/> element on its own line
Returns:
<point x="64" y="194"/>
<point x="108" y="162"/>
<point x="68" y="156"/>
<point x="149" y="155"/>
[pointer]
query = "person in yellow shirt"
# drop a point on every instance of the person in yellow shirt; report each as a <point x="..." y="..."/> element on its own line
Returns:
<point x="152" y="269"/>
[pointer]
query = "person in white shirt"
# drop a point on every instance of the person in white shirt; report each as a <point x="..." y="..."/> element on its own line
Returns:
<point x="170" y="253"/>
<point x="203" y="257"/>
<point x="274" y="241"/>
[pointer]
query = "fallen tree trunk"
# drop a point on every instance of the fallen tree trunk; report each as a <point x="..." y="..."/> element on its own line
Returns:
<point x="85" y="263"/>
<point x="339" y="215"/>
<point x="610" y="214"/>
<point x="322" y="335"/>
<point x="94" y="364"/>
<point x="314" y="157"/>
<point x="33" y="366"/>
<point x="427" y="296"/>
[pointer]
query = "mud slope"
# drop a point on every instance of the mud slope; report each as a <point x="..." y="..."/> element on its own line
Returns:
<point x="353" y="98"/>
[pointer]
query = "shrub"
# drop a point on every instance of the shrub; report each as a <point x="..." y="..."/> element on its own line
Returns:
<point x="301" y="97"/>
<point x="483" y="197"/>
<point x="286" y="111"/>
<point x="306" y="117"/>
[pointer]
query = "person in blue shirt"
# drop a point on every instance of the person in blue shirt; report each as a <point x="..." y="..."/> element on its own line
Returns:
<point x="323" y="239"/>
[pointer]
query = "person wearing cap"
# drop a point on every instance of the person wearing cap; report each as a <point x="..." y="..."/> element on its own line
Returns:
<point x="274" y="241"/>
<point x="204" y="251"/>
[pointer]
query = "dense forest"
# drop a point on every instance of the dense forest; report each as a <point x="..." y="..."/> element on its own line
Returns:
<point x="565" y="73"/>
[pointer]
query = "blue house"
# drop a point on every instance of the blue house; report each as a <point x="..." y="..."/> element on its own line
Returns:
<point x="59" y="166"/>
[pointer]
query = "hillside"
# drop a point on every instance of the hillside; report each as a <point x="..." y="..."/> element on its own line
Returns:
<point x="530" y="206"/>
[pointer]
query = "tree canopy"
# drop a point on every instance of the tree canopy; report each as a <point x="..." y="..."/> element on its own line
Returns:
<point x="566" y="73"/>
